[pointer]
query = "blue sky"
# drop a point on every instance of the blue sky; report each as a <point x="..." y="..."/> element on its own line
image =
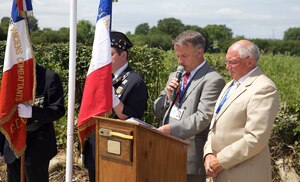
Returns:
<point x="250" y="18"/>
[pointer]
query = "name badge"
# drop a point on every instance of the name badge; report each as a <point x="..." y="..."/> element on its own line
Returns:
<point x="176" y="113"/>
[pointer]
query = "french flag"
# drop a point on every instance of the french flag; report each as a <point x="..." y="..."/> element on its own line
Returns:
<point x="18" y="78"/>
<point x="97" y="94"/>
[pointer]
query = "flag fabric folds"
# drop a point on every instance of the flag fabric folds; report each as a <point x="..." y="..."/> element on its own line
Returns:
<point x="97" y="94"/>
<point x="18" y="78"/>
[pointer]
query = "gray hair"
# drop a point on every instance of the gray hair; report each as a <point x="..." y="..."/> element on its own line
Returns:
<point x="190" y="36"/>
<point x="249" y="50"/>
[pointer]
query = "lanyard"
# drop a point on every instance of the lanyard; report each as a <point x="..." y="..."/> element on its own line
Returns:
<point x="225" y="97"/>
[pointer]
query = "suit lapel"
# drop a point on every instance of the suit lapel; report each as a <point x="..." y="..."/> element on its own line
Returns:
<point x="238" y="92"/>
<point x="198" y="77"/>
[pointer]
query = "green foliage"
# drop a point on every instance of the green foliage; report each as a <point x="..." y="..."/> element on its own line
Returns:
<point x="170" y="26"/>
<point x="33" y="24"/>
<point x="148" y="62"/>
<point x="4" y="28"/>
<point x="291" y="47"/>
<point x="142" y="29"/>
<point x="154" y="65"/>
<point x="292" y="34"/>
<point x="219" y="37"/>
<point x="85" y="32"/>
<point x="161" y="41"/>
<point x="283" y="70"/>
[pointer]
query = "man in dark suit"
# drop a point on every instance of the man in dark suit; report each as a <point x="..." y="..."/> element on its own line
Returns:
<point x="129" y="93"/>
<point x="192" y="109"/>
<point x="41" y="141"/>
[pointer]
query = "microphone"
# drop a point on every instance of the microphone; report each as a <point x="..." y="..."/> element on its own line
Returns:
<point x="179" y="72"/>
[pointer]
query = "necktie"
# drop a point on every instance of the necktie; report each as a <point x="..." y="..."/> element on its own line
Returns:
<point x="186" y="78"/>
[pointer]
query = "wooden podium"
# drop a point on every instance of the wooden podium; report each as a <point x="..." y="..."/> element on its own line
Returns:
<point x="132" y="152"/>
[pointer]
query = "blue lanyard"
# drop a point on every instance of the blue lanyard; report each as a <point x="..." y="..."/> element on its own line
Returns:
<point x="223" y="99"/>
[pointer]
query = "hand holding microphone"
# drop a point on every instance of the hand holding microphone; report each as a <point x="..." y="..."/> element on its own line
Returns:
<point x="174" y="83"/>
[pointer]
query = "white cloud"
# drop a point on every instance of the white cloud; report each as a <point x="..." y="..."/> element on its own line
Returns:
<point x="295" y="9"/>
<point x="228" y="12"/>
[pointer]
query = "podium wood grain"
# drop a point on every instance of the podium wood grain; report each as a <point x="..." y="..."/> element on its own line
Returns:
<point x="151" y="156"/>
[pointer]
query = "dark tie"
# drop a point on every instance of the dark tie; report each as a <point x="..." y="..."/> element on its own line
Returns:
<point x="186" y="78"/>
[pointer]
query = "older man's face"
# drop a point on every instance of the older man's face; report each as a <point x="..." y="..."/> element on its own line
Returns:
<point x="238" y="67"/>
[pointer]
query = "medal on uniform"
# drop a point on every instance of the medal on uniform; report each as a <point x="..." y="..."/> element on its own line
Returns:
<point x="119" y="90"/>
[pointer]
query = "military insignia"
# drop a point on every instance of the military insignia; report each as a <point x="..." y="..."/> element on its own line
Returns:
<point x="119" y="90"/>
<point x="39" y="101"/>
<point x="124" y="82"/>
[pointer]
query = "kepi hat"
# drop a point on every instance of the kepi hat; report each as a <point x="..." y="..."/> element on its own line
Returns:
<point x="120" y="41"/>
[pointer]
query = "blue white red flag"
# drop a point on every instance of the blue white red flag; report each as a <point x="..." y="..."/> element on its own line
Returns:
<point x="97" y="94"/>
<point x="18" y="78"/>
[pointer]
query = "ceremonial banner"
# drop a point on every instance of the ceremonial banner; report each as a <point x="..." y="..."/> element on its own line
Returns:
<point x="18" y="78"/>
<point x="97" y="94"/>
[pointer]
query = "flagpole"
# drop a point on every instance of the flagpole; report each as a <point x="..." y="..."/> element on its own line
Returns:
<point x="71" y="90"/>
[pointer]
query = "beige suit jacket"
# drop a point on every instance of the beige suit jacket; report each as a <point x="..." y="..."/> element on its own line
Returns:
<point x="242" y="128"/>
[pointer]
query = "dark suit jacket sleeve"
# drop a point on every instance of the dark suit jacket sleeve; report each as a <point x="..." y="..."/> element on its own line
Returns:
<point x="2" y="140"/>
<point x="54" y="100"/>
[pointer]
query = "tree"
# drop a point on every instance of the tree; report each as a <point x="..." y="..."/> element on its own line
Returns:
<point x="142" y="29"/>
<point x="4" y="28"/>
<point x="292" y="34"/>
<point x="170" y="26"/>
<point x="200" y="30"/>
<point x="219" y="37"/>
<point x="33" y="24"/>
<point x="85" y="32"/>
<point x="162" y="41"/>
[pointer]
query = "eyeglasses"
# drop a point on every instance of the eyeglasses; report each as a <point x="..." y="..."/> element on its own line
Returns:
<point x="235" y="62"/>
<point x="231" y="62"/>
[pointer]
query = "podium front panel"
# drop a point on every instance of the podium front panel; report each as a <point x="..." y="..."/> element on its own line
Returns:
<point x="129" y="152"/>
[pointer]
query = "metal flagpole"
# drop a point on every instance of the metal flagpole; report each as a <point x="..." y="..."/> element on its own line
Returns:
<point x="71" y="90"/>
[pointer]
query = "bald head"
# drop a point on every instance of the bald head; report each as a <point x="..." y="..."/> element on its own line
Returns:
<point x="241" y="57"/>
<point x="245" y="48"/>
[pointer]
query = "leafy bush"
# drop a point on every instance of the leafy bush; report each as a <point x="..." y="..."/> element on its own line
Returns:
<point x="154" y="65"/>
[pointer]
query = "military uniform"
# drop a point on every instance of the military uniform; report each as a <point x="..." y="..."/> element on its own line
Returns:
<point x="41" y="141"/>
<point x="132" y="92"/>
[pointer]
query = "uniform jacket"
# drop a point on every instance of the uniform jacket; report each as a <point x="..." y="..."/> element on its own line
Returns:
<point x="242" y="130"/>
<point x="198" y="104"/>
<point x="48" y="107"/>
<point x="132" y="91"/>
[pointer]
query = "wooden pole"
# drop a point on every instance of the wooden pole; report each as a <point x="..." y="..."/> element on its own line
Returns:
<point x="22" y="168"/>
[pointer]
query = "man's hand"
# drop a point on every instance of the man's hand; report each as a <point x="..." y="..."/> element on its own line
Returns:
<point x="173" y="84"/>
<point x="24" y="111"/>
<point x="165" y="128"/>
<point x="212" y="165"/>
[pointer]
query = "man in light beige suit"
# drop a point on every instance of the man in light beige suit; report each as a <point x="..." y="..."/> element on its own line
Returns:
<point x="237" y="146"/>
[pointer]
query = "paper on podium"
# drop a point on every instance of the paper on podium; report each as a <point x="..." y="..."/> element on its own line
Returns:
<point x="135" y="120"/>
